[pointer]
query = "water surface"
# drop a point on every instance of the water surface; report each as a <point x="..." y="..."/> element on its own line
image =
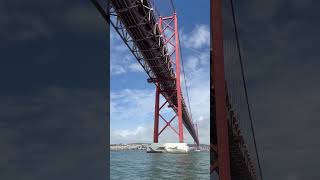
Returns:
<point x="136" y="165"/>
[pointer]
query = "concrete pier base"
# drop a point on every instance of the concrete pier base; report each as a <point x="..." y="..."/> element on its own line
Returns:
<point x="168" y="148"/>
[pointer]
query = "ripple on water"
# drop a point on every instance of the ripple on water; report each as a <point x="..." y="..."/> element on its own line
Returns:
<point x="136" y="165"/>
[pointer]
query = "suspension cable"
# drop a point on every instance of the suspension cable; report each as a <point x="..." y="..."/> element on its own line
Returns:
<point x="245" y="87"/>
<point x="184" y="74"/>
<point x="174" y="9"/>
<point x="185" y="80"/>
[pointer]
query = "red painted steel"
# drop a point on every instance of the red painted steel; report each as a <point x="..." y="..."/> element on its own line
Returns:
<point x="143" y="33"/>
<point x="197" y="133"/>
<point x="220" y="94"/>
<point x="178" y="77"/>
<point x="156" y="116"/>
<point x="165" y="24"/>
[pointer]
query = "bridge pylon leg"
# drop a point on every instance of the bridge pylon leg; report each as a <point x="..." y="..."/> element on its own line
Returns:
<point x="220" y="144"/>
<point x="156" y="116"/>
<point x="169" y="26"/>
<point x="178" y="86"/>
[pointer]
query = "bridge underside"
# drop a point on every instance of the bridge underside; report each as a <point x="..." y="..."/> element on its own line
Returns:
<point x="137" y="24"/>
<point x="240" y="162"/>
<point x="230" y="157"/>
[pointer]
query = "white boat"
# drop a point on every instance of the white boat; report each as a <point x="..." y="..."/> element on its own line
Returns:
<point x="156" y="148"/>
<point x="168" y="148"/>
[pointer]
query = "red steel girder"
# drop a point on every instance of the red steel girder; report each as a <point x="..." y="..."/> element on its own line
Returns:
<point x="219" y="91"/>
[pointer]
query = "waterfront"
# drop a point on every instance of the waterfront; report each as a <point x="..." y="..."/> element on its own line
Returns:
<point x="143" y="147"/>
<point x="139" y="165"/>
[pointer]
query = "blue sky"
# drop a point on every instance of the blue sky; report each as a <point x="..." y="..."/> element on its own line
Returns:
<point x="132" y="98"/>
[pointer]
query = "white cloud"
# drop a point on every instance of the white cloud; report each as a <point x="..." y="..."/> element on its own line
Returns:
<point x="127" y="133"/>
<point x="141" y="133"/>
<point x="133" y="105"/>
<point x="198" y="82"/>
<point x="198" y="38"/>
<point x="144" y="133"/>
<point x="135" y="67"/>
<point x="122" y="60"/>
<point x="198" y="78"/>
<point x="115" y="70"/>
<point x="196" y="62"/>
<point x="134" y="109"/>
<point x="132" y="117"/>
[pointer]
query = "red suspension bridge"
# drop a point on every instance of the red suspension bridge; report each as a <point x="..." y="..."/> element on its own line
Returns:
<point x="150" y="37"/>
<point x="154" y="42"/>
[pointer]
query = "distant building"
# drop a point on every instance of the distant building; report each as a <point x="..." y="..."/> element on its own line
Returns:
<point x="143" y="146"/>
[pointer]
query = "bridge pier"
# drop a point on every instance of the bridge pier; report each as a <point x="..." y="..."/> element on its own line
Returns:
<point x="169" y="23"/>
<point x="157" y="114"/>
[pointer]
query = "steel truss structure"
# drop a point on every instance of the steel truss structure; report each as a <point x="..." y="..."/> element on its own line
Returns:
<point x="230" y="158"/>
<point x="145" y="36"/>
<point x="169" y="26"/>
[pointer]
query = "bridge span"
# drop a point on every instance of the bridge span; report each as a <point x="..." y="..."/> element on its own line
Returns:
<point x="146" y="35"/>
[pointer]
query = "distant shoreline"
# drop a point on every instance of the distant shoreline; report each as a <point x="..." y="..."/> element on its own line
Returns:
<point x="143" y="146"/>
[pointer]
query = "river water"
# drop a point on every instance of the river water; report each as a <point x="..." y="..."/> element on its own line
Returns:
<point x="136" y="165"/>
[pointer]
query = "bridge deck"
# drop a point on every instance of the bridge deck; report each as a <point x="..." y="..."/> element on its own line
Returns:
<point x="141" y="24"/>
<point x="241" y="164"/>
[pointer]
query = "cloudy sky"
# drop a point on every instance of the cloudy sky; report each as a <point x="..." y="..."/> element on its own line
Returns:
<point x="280" y="49"/>
<point x="132" y="98"/>
<point x="53" y="73"/>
